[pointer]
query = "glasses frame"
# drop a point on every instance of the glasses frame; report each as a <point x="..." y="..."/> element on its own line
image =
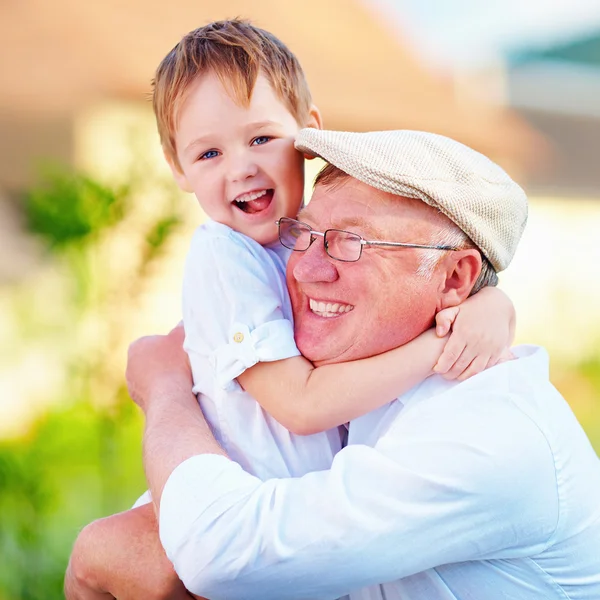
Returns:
<point x="363" y="242"/>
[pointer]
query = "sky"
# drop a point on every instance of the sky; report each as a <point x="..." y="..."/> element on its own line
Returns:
<point x="471" y="33"/>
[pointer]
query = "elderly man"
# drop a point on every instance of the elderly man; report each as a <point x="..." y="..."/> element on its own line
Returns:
<point x="486" y="489"/>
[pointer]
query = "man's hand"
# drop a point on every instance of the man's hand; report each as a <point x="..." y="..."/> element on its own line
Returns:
<point x="157" y="362"/>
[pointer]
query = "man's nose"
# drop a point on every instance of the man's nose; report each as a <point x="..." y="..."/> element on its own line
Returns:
<point x="241" y="166"/>
<point x="314" y="265"/>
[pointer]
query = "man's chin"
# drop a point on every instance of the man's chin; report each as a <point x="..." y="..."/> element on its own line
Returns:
<point x="311" y="348"/>
<point x="318" y="351"/>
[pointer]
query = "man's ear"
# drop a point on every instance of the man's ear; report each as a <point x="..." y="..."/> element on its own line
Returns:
<point x="463" y="268"/>
<point x="178" y="174"/>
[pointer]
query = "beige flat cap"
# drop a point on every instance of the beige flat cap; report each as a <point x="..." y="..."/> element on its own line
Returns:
<point x="466" y="186"/>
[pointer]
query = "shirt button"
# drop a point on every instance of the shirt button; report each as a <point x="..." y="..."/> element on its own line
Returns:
<point x="238" y="338"/>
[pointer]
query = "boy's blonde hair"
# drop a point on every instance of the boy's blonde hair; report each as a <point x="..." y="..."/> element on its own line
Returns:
<point x="236" y="51"/>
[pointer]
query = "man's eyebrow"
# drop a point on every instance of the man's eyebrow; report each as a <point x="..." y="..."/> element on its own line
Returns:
<point x="362" y="226"/>
<point x="352" y="224"/>
<point x="304" y="215"/>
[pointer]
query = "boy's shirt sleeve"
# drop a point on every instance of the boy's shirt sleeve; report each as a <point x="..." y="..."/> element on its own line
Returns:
<point x="236" y="308"/>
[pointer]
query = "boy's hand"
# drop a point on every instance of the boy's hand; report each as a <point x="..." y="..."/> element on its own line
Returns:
<point x="482" y="331"/>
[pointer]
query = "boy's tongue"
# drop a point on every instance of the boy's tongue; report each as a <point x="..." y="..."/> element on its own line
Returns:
<point x="254" y="206"/>
<point x="258" y="205"/>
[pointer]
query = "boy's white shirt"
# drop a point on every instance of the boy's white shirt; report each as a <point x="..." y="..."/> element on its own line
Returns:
<point x="237" y="312"/>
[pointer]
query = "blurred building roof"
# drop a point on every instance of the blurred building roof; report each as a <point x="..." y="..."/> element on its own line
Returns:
<point x="584" y="51"/>
<point x="557" y="90"/>
<point x="63" y="55"/>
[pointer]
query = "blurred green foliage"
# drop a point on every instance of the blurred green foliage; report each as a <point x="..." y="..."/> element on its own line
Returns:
<point x="79" y="463"/>
<point x="580" y="385"/>
<point x="68" y="207"/>
<point x="81" y="460"/>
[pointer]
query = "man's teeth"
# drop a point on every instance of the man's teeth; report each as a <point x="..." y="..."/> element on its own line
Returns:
<point x="250" y="196"/>
<point x="328" y="309"/>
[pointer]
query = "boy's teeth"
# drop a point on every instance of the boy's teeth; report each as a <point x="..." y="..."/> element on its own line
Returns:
<point x="251" y="196"/>
<point x="328" y="309"/>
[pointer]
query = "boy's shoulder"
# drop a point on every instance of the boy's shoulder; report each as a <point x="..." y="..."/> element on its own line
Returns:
<point x="211" y="234"/>
<point x="218" y="243"/>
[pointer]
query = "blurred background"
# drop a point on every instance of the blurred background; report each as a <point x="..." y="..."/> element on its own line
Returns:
<point x="93" y="232"/>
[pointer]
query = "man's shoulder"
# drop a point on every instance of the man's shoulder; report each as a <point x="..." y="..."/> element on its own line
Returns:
<point x="519" y="380"/>
<point x="510" y="413"/>
<point x="507" y="409"/>
<point x="506" y="388"/>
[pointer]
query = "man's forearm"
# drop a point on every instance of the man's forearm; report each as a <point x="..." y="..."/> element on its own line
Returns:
<point x="120" y="557"/>
<point x="175" y="431"/>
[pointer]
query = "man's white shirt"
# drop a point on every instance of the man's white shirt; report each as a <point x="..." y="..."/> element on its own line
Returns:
<point x="486" y="489"/>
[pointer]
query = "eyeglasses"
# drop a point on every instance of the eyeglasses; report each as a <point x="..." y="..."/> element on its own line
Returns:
<point x="339" y="244"/>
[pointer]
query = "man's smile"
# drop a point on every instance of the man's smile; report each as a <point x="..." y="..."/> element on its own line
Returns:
<point x="328" y="309"/>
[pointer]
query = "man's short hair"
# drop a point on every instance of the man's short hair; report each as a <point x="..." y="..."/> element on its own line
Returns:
<point x="236" y="51"/>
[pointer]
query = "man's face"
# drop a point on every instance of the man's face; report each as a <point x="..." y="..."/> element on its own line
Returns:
<point x="346" y="311"/>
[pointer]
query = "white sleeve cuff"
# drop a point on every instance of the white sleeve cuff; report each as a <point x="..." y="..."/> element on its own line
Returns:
<point x="270" y="341"/>
<point x="198" y="489"/>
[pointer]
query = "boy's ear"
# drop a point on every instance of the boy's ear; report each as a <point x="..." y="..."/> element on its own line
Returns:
<point x="314" y="118"/>
<point x="178" y="174"/>
<point x="462" y="270"/>
<point x="316" y="122"/>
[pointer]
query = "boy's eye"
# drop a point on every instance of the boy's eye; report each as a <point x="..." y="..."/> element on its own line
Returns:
<point x="209" y="154"/>
<point x="263" y="139"/>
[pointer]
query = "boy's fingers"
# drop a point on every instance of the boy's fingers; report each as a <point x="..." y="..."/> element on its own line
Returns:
<point x="444" y="320"/>
<point x="494" y="360"/>
<point x="442" y="326"/>
<point x="506" y="355"/>
<point x="450" y="355"/>
<point x="461" y="364"/>
<point x="499" y="357"/>
<point x="478" y="365"/>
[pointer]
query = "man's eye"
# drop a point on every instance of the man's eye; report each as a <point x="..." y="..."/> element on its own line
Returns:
<point x="209" y="154"/>
<point x="263" y="139"/>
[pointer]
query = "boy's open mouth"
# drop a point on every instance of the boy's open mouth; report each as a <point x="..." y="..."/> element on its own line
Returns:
<point x="254" y="202"/>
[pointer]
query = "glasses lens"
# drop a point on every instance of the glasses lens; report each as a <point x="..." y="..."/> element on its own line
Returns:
<point x="343" y="245"/>
<point x="294" y="235"/>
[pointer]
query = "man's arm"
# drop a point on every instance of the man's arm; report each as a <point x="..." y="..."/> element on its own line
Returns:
<point x="159" y="381"/>
<point x="423" y="496"/>
<point x="121" y="557"/>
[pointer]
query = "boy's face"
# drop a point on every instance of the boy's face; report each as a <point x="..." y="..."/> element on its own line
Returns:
<point x="240" y="162"/>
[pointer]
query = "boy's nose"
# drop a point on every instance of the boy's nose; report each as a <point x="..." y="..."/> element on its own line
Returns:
<point x="242" y="167"/>
<point x="314" y="265"/>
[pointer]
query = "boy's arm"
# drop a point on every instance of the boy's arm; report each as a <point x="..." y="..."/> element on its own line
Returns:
<point x="483" y="328"/>
<point x="306" y="399"/>
<point x="121" y="557"/>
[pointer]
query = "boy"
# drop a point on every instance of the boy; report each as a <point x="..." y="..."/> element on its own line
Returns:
<point x="229" y="100"/>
